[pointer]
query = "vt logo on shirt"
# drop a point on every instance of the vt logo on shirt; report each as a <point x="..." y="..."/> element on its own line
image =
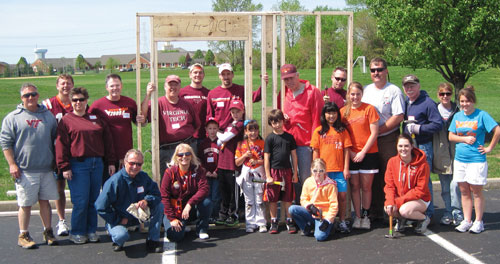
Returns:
<point x="33" y="123"/>
<point x="117" y="111"/>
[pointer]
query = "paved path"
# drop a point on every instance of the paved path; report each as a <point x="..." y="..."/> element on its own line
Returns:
<point x="235" y="246"/>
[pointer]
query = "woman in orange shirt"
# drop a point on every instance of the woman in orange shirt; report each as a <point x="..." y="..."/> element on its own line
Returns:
<point x="362" y="124"/>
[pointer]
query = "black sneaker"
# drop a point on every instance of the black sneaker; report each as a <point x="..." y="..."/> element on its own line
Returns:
<point x="307" y="230"/>
<point x="154" y="246"/>
<point x="220" y="220"/>
<point x="290" y="225"/>
<point x="232" y="221"/>
<point x="274" y="227"/>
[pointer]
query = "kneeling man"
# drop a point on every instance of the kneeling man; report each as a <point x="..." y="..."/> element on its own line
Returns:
<point x="129" y="186"/>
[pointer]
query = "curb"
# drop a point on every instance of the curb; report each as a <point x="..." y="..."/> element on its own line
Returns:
<point x="11" y="206"/>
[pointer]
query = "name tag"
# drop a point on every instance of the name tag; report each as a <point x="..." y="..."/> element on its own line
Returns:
<point x="176" y="126"/>
<point x="140" y="189"/>
<point x="92" y="117"/>
<point x="210" y="159"/>
<point x="126" y="115"/>
<point x="220" y="104"/>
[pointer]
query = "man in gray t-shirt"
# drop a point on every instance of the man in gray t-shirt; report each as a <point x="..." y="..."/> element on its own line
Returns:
<point x="27" y="140"/>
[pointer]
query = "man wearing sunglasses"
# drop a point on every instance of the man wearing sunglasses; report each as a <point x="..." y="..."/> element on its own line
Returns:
<point x="27" y="141"/>
<point x="336" y="93"/>
<point x="422" y="120"/>
<point x="131" y="185"/>
<point x="388" y="99"/>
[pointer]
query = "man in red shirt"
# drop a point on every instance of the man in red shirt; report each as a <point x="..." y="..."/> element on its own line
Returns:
<point x="302" y="108"/>
<point x="196" y="94"/>
<point x="59" y="106"/>
<point x="336" y="93"/>
<point x="178" y="121"/>
<point x="119" y="112"/>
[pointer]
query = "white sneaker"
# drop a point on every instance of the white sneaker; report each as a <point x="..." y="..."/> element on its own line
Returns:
<point x="422" y="225"/>
<point x="357" y="223"/>
<point x="78" y="239"/>
<point x="464" y="226"/>
<point x="203" y="236"/>
<point x="93" y="237"/>
<point x="365" y="223"/>
<point x="262" y="229"/>
<point x="477" y="227"/>
<point x="249" y="229"/>
<point x="62" y="228"/>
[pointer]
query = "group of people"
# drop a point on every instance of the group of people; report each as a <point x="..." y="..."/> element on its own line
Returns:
<point x="321" y="143"/>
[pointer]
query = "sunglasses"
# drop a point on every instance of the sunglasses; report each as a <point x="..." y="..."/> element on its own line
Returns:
<point x="28" y="95"/>
<point x="443" y="94"/>
<point x="340" y="79"/>
<point x="184" y="154"/>
<point x="318" y="171"/>
<point x="78" y="99"/>
<point x="138" y="164"/>
<point x="377" y="70"/>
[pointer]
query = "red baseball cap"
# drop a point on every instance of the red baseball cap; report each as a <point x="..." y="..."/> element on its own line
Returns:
<point x="236" y="103"/>
<point x="173" y="78"/>
<point x="288" y="70"/>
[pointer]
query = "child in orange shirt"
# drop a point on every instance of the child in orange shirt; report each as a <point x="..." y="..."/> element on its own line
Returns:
<point x="330" y="142"/>
<point x="250" y="155"/>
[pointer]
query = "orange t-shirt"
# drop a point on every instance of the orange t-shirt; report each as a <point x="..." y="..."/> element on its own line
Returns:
<point x="331" y="147"/>
<point x="358" y="125"/>
<point x="257" y="149"/>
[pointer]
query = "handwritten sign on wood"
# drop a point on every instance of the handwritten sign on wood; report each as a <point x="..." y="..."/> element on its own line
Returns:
<point x="201" y="26"/>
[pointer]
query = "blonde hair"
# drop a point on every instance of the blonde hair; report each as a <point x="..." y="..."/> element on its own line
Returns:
<point x="348" y="103"/>
<point x="445" y="86"/>
<point x="175" y="160"/>
<point x="318" y="162"/>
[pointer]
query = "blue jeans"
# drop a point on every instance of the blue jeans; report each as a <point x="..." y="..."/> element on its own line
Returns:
<point x="429" y="152"/>
<point x="304" y="159"/>
<point x="85" y="186"/>
<point x="203" y="213"/>
<point x="450" y="193"/>
<point x="214" y="196"/>
<point x="119" y="233"/>
<point x="303" y="218"/>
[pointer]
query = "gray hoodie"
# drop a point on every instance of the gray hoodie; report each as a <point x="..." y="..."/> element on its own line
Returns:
<point x="31" y="137"/>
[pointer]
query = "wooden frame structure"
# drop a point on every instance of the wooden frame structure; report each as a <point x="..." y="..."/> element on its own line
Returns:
<point x="213" y="26"/>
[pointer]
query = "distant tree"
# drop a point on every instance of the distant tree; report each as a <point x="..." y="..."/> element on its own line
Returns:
<point x="198" y="54"/>
<point x="292" y="26"/>
<point x="111" y="64"/>
<point x="80" y="63"/>
<point x="188" y="59"/>
<point x="7" y="72"/>
<point x="97" y="66"/>
<point x="51" y="69"/>
<point x="22" y="66"/>
<point x="209" y="57"/>
<point x="456" y="38"/>
<point x="233" y="50"/>
<point x="182" y="60"/>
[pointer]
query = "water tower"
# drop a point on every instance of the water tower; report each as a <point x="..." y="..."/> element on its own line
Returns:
<point x="40" y="53"/>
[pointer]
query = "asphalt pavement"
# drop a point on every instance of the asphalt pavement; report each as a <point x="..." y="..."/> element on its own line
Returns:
<point x="236" y="246"/>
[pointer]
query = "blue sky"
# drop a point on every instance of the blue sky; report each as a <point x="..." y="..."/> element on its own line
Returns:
<point x="92" y="28"/>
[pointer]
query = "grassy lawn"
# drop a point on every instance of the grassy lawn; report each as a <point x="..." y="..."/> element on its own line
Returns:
<point x="487" y="85"/>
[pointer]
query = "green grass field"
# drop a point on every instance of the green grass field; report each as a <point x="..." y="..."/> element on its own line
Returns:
<point x="487" y="85"/>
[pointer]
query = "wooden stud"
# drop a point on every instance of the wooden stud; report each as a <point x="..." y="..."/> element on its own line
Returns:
<point x="318" y="51"/>
<point x="138" y="79"/>
<point x="248" y="73"/>
<point x="155" y="137"/>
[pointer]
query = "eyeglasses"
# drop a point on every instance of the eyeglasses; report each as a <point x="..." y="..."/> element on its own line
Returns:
<point x="138" y="164"/>
<point x="78" y="99"/>
<point x="28" y="95"/>
<point x="340" y="79"/>
<point x="318" y="171"/>
<point x="184" y="154"/>
<point x="443" y="94"/>
<point x="377" y="70"/>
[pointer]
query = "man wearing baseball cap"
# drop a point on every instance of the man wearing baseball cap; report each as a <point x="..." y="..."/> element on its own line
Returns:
<point x="422" y="120"/>
<point x="218" y="99"/>
<point x="196" y="94"/>
<point x="302" y="108"/>
<point x="178" y="121"/>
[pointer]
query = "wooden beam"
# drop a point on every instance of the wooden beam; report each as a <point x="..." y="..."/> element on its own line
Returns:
<point x="350" y="47"/>
<point x="283" y="51"/>
<point x="248" y="73"/>
<point x="138" y="79"/>
<point x="263" y="69"/>
<point x="155" y="137"/>
<point x="318" y="51"/>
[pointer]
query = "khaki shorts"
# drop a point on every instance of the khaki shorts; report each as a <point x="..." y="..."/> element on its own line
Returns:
<point x="36" y="186"/>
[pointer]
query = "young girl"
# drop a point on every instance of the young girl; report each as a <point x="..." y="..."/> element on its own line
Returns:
<point x="330" y="142"/>
<point x="362" y="124"/>
<point x="250" y="155"/>
<point x="318" y="203"/>
<point x="470" y="168"/>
